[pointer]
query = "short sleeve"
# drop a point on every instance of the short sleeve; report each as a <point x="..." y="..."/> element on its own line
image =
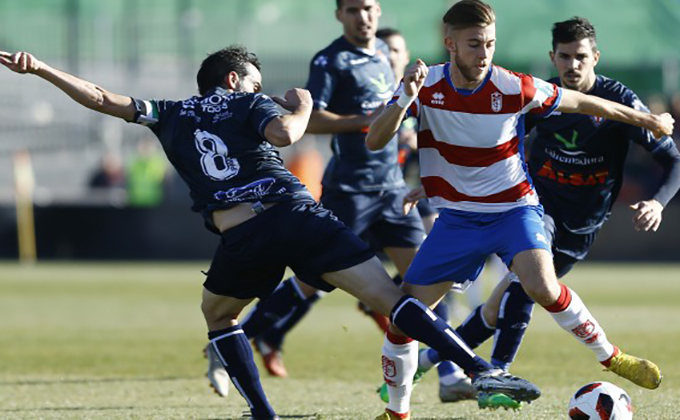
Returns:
<point x="150" y="113"/>
<point x="322" y="81"/>
<point x="640" y="135"/>
<point x="539" y="97"/>
<point x="413" y="110"/>
<point x="262" y="110"/>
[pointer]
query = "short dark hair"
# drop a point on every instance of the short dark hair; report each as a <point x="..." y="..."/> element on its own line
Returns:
<point x="384" y="33"/>
<point x="572" y="30"/>
<point x="338" y="3"/>
<point x="220" y="63"/>
<point x="468" y="13"/>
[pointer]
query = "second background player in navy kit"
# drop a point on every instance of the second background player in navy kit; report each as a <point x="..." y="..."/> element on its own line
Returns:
<point x="576" y="163"/>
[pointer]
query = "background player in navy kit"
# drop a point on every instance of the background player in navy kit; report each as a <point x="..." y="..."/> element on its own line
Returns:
<point x="221" y="144"/>
<point x="350" y="80"/>
<point x="576" y="163"/>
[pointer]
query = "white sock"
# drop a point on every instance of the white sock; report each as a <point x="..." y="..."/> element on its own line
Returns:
<point x="452" y="378"/>
<point x="400" y="362"/>
<point x="578" y="321"/>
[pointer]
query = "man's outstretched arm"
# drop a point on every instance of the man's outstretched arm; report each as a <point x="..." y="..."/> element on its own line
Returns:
<point x="579" y="103"/>
<point x="85" y="93"/>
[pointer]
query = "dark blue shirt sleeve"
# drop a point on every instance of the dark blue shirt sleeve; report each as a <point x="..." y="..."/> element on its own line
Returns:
<point x="262" y="110"/>
<point x="322" y="80"/>
<point x="664" y="151"/>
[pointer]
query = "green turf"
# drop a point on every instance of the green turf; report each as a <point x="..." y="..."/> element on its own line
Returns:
<point x="123" y="341"/>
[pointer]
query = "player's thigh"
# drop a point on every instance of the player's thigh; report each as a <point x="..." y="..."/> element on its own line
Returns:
<point x="535" y="270"/>
<point x="368" y="282"/>
<point x="318" y="243"/>
<point x="246" y="263"/>
<point x="401" y="257"/>
<point x="450" y="253"/>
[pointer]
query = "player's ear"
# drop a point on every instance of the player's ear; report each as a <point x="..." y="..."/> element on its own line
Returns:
<point x="596" y="57"/>
<point x="379" y="11"/>
<point x="450" y="43"/>
<point x="232" y="81"/>
<point x="338" y="12"/>
<point x="552" y="56"/>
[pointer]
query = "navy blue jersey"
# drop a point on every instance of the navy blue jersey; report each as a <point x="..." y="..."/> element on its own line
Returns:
<point x="347" y="80"/>
<point x="576" y="161"/>
<point x="217" y="145"/>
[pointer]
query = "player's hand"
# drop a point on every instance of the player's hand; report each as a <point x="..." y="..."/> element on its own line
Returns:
<point x="295" y="99"/>
<point x="412" y="197"/>
<point x="414" y="77"/>
<point x="647" y="215"/>
<point x="663" y="125"/>
<point x="20" y="62"/>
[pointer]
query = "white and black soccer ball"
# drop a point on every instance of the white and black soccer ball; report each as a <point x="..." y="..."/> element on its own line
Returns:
<point x="600" y="401"/>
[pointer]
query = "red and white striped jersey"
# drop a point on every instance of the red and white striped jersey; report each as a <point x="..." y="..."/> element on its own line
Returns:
<point x="471" y="142"/>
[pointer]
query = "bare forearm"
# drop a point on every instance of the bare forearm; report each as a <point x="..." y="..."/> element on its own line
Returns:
<point x="382" y="130"/>
<point x="579" y="103"/>
<point x="88" y="94"/>
<point x="326" y="122"/>
<point x="287" y="129"/>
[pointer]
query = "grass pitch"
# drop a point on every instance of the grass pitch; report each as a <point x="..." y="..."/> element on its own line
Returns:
<point x="123" y="341"/>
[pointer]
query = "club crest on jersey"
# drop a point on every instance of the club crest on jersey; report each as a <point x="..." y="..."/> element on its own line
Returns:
<point x="437" y="98"/>
<point x="496" y="102"/>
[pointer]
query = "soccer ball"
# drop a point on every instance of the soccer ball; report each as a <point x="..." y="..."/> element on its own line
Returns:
<point x="600" y="401"/>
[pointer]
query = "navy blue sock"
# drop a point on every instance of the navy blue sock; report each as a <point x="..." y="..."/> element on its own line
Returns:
<point x="234" y="351"/>
<point x="514" y="316"/>
<point x="474" y="330"/>
<point x="269" y="311"/>
<point x="275" y="335"/>
<point x="420" y="323"/>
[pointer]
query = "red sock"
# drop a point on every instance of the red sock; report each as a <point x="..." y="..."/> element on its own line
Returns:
<point x="608" y="362"/>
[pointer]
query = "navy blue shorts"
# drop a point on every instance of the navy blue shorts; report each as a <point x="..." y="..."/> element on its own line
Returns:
<point x="252" y="257"/>
<point x="568" y="247"/>
<point x="460" y="242"/>
<point x="378" y="217"/>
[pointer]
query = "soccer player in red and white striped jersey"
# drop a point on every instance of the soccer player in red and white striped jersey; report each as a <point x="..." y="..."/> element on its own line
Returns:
<point x="471" y="124"/>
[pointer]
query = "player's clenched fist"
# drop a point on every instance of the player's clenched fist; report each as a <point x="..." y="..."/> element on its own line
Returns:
<point x="295" y="99"/>
<point x="21" y="62"/>
<point x="663" y="125"/>
<point x="414" y="77"/>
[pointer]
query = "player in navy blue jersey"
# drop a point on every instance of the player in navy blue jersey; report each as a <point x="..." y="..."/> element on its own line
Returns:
<point x="350" y="80"/>
<point x="576" y="163"/>
<point x="221" y="143"/>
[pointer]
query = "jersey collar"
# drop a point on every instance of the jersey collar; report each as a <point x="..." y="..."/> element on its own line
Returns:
<point x="466" y="92"/>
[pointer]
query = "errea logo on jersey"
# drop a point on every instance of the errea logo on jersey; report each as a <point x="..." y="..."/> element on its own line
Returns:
<point x="438" y="98"/>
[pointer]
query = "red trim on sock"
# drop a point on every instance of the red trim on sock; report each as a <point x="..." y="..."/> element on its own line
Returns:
<point x="398" y="415"/>
<point x="397" y="339"/>
<point x="382" y="321"/>
<point x="562" y="302"/>
<point x="608" y="362"/>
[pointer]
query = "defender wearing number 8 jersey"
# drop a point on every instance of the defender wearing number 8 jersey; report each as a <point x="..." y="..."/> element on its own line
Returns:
<point x="227" y="163"/>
